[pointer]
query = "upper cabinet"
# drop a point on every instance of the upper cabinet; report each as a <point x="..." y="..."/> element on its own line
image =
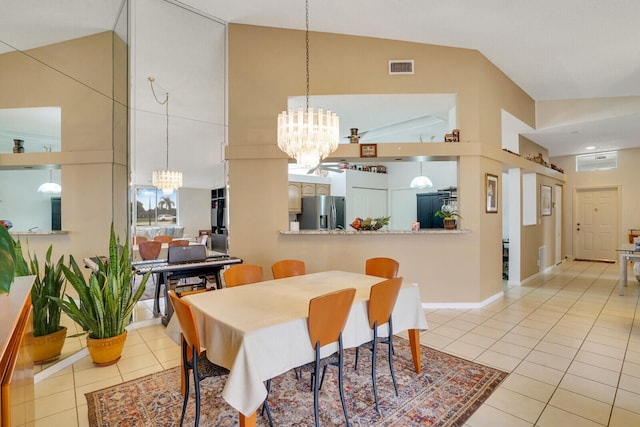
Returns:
<point x="298" y="190"/>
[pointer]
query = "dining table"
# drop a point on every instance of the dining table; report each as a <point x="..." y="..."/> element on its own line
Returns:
<point x="626" y="252"/>
<point x="259" y="331"/>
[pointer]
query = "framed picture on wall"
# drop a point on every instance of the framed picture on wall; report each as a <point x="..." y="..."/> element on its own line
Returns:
<point x="368" y="150"/>
<point x="545" y="200"/>
<point x="492" y="193"/>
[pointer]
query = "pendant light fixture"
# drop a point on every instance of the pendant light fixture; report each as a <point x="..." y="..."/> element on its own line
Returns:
<point x="305" y="135"/>
<point x="166" y="180"/>
<point x="50" y="187"/>
<point x="421" y="181"/>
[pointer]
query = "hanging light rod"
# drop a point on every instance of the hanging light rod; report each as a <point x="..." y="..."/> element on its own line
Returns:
<point x="166" y="180"/>
<point x="308" y="136"/>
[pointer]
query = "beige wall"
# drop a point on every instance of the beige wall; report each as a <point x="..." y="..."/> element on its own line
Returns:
<point x="625" y="177"/>
<point x="267" y="64"/>
<point x="78" y="77"/>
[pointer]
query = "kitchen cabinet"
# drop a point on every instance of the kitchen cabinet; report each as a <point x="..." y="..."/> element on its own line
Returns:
<point x="298" y="190"/>
<point x="295" y="197"/>
<point x="323" y="189"/>
<point x="428" y="204"/>
<point x="308" y="189"/>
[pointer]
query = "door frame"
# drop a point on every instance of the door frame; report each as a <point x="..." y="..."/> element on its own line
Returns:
<point x="574" y="232"/>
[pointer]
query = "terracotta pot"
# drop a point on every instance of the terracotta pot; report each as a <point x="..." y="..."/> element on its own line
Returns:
<point x="47" y="348"/>
<point x="106" y="351"/>
<point x="450" y="223"/>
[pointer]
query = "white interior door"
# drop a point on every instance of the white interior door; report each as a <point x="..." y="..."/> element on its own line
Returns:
<point x="558" y="214"/>
<point x="596" y="224"/>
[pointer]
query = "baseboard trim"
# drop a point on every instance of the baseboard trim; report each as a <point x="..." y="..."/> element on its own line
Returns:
<point x="439" y="305"/>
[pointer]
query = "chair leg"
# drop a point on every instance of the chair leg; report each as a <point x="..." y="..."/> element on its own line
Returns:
<point x="393" y="375"/>
<point x="186" y="395"/>
<point x="373" y="366"/>
<point x="196" y="385"/>
<point x="265" y="405"/>
<point x="340" y="387"/>
<point x="316" y="385"/>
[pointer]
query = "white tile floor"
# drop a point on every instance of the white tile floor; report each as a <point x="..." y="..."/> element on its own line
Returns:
<point x="570" y="342"/>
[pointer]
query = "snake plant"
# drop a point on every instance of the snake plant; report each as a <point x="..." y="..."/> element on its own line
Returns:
<point x="107" y="301"/>
<point x="12" y="261"/>
<point x="46" y="313"/>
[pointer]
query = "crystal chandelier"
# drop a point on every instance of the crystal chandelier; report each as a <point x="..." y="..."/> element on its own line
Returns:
<point x="306" y="135"/>
<point x="166" y="180"/>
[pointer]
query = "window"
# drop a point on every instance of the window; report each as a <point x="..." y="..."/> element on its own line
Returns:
<point x="154" y="208"/>
<point x="597" y="161"/>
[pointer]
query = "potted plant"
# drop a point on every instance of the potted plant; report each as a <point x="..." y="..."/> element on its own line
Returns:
<point x="106" y="302"/>
<point x="48" y="333"/>
<point x="449" y="215"/>
<point x="12" y="262"/>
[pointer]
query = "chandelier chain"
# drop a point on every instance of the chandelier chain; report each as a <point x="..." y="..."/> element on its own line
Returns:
<point x="307" y="49"/>
<point x="166" y="108"/>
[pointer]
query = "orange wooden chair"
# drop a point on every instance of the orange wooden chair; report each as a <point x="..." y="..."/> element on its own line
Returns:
<point x="194" y="359"/>
<point x="328" y="315"/>
<point x="287" y="268"/>
<point x="149" y="249"/>
<point x="382" y="299"/>
<point x="242" y="274"/>
<point x="382" y="267"/>
<point x="139" y="239"/>
<point x="163" y="239"/>
<point x="179" y="242"/>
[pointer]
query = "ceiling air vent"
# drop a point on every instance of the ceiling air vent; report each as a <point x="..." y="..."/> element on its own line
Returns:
<point x="404" y="66"/>
<point x="596" y="161"/>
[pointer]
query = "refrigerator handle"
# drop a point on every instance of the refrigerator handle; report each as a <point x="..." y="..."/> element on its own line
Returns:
<point x="334" y="216"/>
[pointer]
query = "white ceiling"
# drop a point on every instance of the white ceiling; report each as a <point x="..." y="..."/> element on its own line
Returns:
<point x="569" y="49"/>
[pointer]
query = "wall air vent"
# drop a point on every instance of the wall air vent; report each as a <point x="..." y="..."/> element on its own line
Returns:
<point x="404" y="66"/>
<point x="597" y="161"/>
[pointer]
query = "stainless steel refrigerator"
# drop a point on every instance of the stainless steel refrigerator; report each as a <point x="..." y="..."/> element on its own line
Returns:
<point x="322" y="213"/>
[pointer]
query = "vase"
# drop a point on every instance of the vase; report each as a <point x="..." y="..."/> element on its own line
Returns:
<point x="450" y="223"/>
<point x="47" y="348"/>
<point x="106" y="351"/>
<point x="18" y="146"/>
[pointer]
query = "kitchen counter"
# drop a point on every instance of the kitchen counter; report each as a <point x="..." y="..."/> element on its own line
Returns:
<point x="37" y="232"/>
<point x="376" y="232"/>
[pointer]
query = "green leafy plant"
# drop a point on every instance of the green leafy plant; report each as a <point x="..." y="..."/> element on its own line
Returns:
<point x="51" y="284"/>
<point x="107" y="301"/>
<point x="12" y="263"/>
<point x="447" y="212"/>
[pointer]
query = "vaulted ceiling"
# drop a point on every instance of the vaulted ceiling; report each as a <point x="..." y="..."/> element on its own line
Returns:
<point x="554" y="50"/>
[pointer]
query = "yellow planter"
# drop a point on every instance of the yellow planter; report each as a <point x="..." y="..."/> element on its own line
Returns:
<point x="106" y="351"/>
<point x="47" y="348"/>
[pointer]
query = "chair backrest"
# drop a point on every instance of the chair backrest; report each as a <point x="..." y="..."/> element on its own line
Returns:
<point x="187" y="321"/>
<point x="149" y="249"/>
<point x="243" y="274"/>
<point x="179" y="242"/>
<point x="203" y="239"/>
<point x="382" y="299"/>
<point x="328" y="314"/>
<point x="287" y="268"/>
<point x="163" y="239"/>
<point x="139" y="239"/>
<point x="382" y="267"/>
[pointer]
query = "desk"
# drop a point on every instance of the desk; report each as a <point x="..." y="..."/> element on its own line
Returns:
<point x="626" y="253"/>
<point x="259" y="331"/>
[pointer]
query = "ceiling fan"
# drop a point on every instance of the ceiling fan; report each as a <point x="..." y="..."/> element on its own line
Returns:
<point x="323" y="169"/>
<point x="416" y="123"/>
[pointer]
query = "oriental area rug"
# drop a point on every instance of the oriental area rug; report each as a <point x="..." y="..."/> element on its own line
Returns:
<point x="446" y="393"/>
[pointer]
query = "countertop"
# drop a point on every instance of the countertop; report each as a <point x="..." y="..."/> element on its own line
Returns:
<point x="376" y="232"/>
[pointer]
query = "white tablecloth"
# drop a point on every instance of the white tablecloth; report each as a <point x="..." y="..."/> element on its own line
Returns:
<point x="259" y="331"/>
